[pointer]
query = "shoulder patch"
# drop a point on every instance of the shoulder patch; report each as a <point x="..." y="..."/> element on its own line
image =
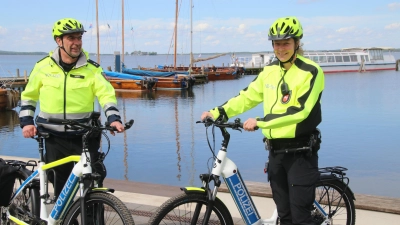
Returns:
<point x="93" y="63"/>
<point x="42" y="59"/>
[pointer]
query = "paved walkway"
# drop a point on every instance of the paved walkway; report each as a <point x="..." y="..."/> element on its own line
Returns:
<point x="144" y="198"/>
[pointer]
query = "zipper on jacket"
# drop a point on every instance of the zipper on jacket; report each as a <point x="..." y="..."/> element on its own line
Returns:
<point x="276" y="99"/>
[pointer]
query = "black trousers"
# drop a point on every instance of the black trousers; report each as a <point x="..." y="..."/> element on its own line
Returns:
<point x="60" y="147"/>
<point x="292" y="178"/>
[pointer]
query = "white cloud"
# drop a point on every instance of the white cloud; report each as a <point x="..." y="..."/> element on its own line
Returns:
<point x="242" y="28"/>
<point x="251" y="35"/>
<point x="104" y="29"/>
<point x="331" y="36"/>
<point x="313" y="29"/>
<point x="346" y="29"/>
<point x="394" y="6"/>
<point x="216" y="42"/>
<point x="210" y="38"/>
<point x="3" y="30"/>
<point x="202" y="26"/>
<point x="152" y="43"/>
<point x="393" y="26"/>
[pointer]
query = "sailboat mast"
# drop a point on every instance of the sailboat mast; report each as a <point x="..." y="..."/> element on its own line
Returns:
<point x="123" y="51"/>
<point x="97" y="30"/>
<point x="191" y="38"/>
<point x="175" y="33"/>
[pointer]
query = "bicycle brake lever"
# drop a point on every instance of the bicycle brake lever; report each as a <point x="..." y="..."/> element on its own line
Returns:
<point x="207" y="121"/>
<point x="128" y="124"/>
<point x="237" y="128"/>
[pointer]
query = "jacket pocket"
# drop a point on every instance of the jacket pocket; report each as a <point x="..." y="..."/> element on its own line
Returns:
<point x="79" y="85"/>
<point x="50" y="84"/>
<point x="305" y="171"/>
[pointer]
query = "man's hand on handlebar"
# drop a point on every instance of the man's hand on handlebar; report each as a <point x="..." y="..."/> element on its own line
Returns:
<point x="118" y="126"/>
<point x="29" y="131"/>
<point x="204" y="115"/>
<point x="250" y="124"/>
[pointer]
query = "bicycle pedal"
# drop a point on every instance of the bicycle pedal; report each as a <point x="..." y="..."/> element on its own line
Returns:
<point x="39" y="222"/>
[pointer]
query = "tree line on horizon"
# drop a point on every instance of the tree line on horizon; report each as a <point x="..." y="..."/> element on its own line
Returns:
<point x="22" y="53"/>
<point x="136" y="52"/>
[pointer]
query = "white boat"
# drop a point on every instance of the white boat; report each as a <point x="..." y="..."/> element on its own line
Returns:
<point x="256" y="61"/>
<point x="346" y="60"/>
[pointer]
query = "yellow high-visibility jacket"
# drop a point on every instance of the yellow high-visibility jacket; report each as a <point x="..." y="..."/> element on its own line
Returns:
<point x="292" y="115"/>
<point x="66" y="95"/>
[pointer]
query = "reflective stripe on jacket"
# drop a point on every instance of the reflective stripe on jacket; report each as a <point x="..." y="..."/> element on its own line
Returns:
<point x="66" y="95"/>
<point x="294" y="115"/>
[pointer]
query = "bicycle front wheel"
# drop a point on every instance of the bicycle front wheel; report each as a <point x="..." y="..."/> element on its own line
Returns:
<point x="25" y="206"/>
<point x="190" y="209"/>
<point x="102" y="208"/>
<point x="337" y="201"/>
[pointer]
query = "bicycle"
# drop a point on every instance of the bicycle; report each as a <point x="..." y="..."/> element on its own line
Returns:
<point x="28" y="199"/>
<point x="95" y="205"/>
<point x="201" y="205"/>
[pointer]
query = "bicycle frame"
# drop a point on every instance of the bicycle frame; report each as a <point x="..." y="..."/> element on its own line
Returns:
<point x="241" y="195"/>
<point x="81" y="172"/>
<point x="226" y="168"/>
<point x="68" y="192"/>
<point x="229" y="171"/>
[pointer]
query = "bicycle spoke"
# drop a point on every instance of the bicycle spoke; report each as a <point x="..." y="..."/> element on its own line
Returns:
<point x="335" y="202"/>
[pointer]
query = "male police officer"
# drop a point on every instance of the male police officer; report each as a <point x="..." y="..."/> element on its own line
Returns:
<point x="66" y="83"/>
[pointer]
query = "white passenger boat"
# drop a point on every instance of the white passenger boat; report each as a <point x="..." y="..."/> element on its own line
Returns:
<point x="346" y="60"/>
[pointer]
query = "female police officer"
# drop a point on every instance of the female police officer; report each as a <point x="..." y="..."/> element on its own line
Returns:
<point x="291" y="89"/>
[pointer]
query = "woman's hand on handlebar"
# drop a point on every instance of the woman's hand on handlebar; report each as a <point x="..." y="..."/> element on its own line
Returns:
<point x="204" y="115"/>
<point x="118" y="126"/>
<point x="29" y="131"/>
<point x="250" y="124"/>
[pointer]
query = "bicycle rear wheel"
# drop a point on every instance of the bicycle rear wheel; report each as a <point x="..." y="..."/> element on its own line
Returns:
<point x="25" y="206"/>
<point x="189" y="209"/>
<point x="337" y="200"/>
<point x="102" y="208"/>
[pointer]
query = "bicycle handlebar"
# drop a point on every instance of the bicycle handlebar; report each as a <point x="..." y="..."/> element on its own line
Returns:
<point x="74" y="123"/>
<point x="219" y="123"/>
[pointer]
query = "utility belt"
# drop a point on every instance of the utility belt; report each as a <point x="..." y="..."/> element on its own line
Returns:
<point x="307" y="144"/>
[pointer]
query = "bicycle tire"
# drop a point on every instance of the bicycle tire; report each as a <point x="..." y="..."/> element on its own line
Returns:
<point x="178" y="210"/>
<point x="328" y="193"/>
<point x="26" y="206"/>
<point x="115" y="211"/>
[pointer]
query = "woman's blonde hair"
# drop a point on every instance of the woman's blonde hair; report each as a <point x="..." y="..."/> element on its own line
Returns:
<point x="300" y="50"/>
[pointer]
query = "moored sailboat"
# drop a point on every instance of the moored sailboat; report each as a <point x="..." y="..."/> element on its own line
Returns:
<point x="204" y="73"/>
<point x="121" y="81"/>
<point x="117" y="81"/>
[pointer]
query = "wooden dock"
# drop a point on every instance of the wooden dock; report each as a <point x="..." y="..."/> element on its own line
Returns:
<point x="13" y="82"/>
<point x="16" y="82"/>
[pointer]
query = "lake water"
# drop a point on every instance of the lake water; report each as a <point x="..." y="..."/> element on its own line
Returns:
<point x="166" y="146"/>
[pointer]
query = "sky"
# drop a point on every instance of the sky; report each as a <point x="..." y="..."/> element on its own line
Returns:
<point x="218" y="26"/>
